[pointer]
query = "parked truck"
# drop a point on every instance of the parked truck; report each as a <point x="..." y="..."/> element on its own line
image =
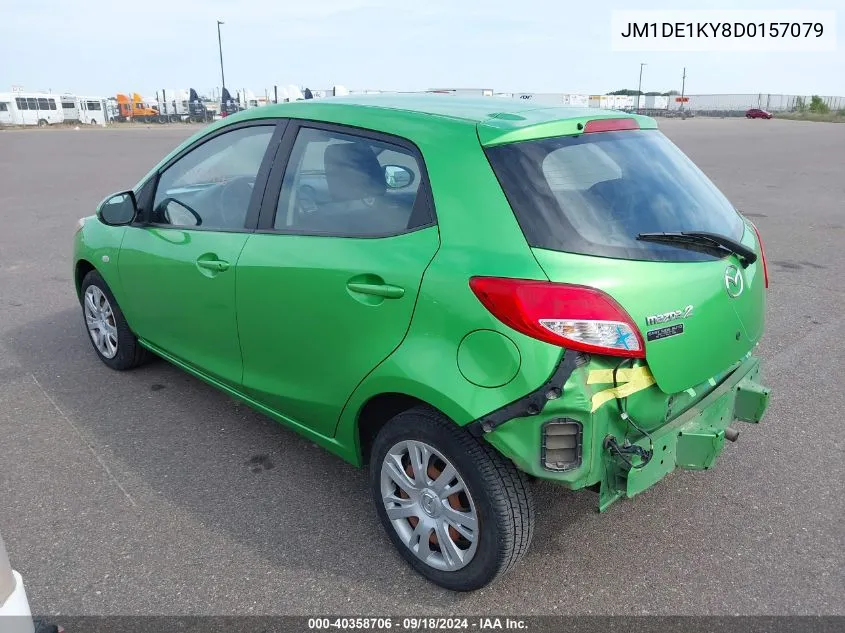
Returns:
<point x="135" y="109"/>
<point x="198" y="111"/>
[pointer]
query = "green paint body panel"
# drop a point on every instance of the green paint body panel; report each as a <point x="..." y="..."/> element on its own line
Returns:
<point x="307" y="339"/>
<point x="292" y="328"/>
<point x="177" y="305"/>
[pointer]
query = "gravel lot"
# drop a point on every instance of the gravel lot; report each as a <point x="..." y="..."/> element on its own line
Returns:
<point x="136" y="493"/>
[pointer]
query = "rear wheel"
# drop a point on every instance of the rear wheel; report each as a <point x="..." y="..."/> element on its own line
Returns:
<point x="456" y="509"/>
<point x="108" y="331"/>
<point x="42" y="122"/>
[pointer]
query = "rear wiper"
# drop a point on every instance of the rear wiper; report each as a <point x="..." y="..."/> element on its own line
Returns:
<point x="703" y="239"/>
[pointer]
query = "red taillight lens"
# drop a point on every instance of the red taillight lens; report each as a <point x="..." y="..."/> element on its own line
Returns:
<point x="610" y="125"/>
<point x="762" y="253"/>
<point x="574" y="317"/>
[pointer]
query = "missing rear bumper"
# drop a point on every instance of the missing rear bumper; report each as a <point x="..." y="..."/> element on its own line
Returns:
<point x="693" y="441"/>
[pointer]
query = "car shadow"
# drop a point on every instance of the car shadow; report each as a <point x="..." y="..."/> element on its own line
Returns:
<point x="234" y="469"/>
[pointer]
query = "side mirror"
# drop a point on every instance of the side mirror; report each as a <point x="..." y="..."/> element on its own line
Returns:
<point x="118" y="210"/>
<point x="397" y="177"/>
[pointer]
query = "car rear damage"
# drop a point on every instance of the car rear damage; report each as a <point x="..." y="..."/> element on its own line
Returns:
<point x="656" y="293"/>
<point x="597" y="424"/>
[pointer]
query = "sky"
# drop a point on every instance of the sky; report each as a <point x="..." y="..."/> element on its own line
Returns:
<point x="508" y="46"/>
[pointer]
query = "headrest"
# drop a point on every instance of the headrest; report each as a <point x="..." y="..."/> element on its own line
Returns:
<point x="353" y="172"/>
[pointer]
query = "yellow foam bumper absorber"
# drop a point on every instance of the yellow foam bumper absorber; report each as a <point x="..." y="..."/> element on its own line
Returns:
<point x="628" y="381"/>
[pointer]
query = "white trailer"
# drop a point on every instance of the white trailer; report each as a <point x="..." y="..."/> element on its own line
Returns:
<point x="174" y="105"/>
<point x="30" y="108"/>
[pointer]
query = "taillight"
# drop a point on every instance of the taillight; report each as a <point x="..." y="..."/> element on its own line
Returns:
<point x="762" y="253"/>
<point x="575" y="317"/>
<point x="610" y="125"/>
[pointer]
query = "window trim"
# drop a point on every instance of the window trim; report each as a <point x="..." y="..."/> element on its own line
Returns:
<point x="147" y="190"/>
<point x="273" y="188"/>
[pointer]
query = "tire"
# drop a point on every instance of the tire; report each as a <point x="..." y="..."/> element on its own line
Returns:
<point x="93" y="121"/>
<point x="496" y="495"/>
<point x="128" y="353"/>
<point x="42" y="122"/>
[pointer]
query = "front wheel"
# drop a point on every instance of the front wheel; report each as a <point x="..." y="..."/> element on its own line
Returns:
<point x="108" y="331"/>
<point x="456" y="509"/>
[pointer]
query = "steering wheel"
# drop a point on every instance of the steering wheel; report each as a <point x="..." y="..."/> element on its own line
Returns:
<point x="233" y="199"/>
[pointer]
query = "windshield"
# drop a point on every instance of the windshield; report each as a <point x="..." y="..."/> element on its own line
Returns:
<point x="593" y="194"/>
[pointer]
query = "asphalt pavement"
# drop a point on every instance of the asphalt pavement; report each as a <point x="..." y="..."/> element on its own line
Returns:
<point x="149" y="492"/>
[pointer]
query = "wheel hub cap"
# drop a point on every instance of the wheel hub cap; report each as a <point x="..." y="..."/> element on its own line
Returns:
<point x="429" y="505"/>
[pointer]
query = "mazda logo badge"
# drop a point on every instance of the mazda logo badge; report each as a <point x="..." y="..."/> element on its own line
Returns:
<point x="733" y="281"/>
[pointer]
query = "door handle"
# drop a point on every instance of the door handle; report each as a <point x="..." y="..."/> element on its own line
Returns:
<point x="379" y="290"/>
<point x="217" y="265"/>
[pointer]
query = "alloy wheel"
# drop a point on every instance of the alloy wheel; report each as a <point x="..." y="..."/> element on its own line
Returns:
<point x="99" y="318"/>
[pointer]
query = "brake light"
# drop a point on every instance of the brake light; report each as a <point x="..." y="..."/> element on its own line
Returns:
<point x="610" y="125"/>
<point x="762" y="253"/>
<point x="575" y="317"/>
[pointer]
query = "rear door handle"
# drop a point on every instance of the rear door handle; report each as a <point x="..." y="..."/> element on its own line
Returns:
<point x="379" y="290"/>
<point x="217" y="265"/>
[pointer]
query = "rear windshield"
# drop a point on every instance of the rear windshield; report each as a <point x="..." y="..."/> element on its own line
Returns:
<point x="593" y="194"/>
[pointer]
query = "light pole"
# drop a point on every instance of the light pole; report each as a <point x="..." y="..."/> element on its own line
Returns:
<point x="220" y="47"/>
<point x="639" y="87"/>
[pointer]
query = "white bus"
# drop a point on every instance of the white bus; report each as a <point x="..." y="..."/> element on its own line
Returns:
<point x="70" y="108"/>
<point x="86" y="110"/>
<point x="30" y="108"/>
<point x="93" y="110"/>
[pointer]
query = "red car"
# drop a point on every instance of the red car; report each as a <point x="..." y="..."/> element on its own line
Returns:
<point x="757" y="113"/>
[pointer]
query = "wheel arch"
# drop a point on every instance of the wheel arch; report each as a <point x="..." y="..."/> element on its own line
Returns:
<point x="80" y="269"/>
<point x="365" y="414"/>
<point x="375" y="413"/>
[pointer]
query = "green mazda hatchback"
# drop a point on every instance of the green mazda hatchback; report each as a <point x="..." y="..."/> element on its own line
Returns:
<point x="465" y="295"/>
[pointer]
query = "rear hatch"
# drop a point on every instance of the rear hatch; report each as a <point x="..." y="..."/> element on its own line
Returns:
<point x="582" y="201"/>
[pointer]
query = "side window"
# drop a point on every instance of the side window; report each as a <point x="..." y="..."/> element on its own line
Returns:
<point x="42" y="104"/>
<point x="21" y="103"/>
<point x="211" y="186"/>
<point x="3" y="107"/>
<point x="349" y="185"/>
<point x="52" y="103"/>
<point x="32" y="103"/>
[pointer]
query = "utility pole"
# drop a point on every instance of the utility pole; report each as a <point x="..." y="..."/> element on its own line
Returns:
<point x="640" y="86"/>
<point x="220" y="47"/>
<point x="683" y="85"/>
